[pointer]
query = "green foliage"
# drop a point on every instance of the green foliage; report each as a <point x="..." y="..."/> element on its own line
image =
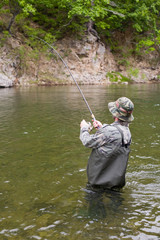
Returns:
<point x="33" y="41"/>
<point x="5" y="34"/>
<point x="124" y="62"/>
<point x="149" y="43"/>
<point x="2" y="25"/>
<point x="57" y="18"/>
<point x="133" y="72"/>
<point x="101" y="12"/>
<point x="142" y="14"/>
<point x="49" y="38"/>
<point x="3" y="3"/>
<point x="106" y="14"/>
<point x="117" y="77"/>
<point x="3" y="38"/>
<point x="27" y="8"/>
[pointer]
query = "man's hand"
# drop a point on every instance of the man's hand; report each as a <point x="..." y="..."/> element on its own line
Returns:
<point x="85" y="124"/>
<point x="97" y="124"/>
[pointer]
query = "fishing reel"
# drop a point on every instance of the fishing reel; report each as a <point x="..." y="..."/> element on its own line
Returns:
<point x="90" y="127"/>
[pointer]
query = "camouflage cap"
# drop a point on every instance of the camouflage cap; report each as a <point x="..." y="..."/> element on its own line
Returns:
<point x="122" y="109"/>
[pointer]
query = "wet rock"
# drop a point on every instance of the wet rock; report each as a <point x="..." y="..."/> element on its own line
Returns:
<point x="5" y="81"/>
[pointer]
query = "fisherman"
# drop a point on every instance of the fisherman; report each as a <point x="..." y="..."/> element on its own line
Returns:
<point x="110" y="146"/>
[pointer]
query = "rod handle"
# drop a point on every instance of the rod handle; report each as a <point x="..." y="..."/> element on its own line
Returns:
<point x="94" y="119"/>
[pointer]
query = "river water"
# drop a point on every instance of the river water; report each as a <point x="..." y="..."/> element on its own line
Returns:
<point x="43" y="166"/>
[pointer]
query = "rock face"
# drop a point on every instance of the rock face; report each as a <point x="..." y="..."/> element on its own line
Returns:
<point x="88" y="60"/>
<point x="5" y="81"/>
<point x="8" y="66"/>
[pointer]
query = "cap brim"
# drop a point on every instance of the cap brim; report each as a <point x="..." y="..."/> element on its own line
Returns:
<point x="113" y="110"/>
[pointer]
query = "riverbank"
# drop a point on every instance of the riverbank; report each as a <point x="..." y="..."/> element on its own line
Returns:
<point x="90" y="61"/>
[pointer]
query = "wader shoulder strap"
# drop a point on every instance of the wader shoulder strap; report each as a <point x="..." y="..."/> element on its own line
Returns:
<point x="121" y="132"/>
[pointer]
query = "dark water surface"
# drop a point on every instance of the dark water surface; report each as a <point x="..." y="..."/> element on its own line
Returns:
<point x="43" y="166"/>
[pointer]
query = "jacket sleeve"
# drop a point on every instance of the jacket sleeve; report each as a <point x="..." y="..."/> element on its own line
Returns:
<point x="92" y="140"/>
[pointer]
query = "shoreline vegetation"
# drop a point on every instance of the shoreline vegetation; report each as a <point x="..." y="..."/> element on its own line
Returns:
<point x="102" y="42"/>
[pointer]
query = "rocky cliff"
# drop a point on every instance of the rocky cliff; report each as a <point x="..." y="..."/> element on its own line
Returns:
<point x="90" y="61"/>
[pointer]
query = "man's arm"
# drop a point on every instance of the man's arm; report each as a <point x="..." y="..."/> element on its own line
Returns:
<point x="91" y="140"/>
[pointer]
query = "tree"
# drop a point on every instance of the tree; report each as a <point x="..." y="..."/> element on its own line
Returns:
<point x="16" y="7"/>
<point x="98" y="17"/>
<point x="64" y="15"/>
<point x="98" y="13"/>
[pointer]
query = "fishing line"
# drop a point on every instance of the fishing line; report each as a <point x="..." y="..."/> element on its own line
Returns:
<point x="92" y="115"/>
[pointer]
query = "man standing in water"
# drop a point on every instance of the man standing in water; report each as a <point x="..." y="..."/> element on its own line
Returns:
<point x="110" y="147"/>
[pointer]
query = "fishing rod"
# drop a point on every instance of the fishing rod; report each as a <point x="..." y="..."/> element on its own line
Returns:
<point x="92" y="115"/>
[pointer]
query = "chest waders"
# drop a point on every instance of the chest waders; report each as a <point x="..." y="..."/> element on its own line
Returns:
<point x="108" y="170"/>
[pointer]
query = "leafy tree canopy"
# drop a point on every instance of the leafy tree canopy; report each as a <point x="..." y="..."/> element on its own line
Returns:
<point x="58" y="17"/>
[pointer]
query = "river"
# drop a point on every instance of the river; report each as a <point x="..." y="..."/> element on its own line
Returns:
<point x="43" y="166"/>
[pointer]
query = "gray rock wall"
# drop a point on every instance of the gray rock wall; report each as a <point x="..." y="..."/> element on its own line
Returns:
<point x="88" y="60"/>
<point x="5" y="81"/>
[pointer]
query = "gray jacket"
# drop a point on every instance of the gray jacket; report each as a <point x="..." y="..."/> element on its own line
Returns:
<point x="110" y="151"/>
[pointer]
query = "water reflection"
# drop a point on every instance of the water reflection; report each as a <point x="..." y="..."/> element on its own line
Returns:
<point x="102" y="204"/>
